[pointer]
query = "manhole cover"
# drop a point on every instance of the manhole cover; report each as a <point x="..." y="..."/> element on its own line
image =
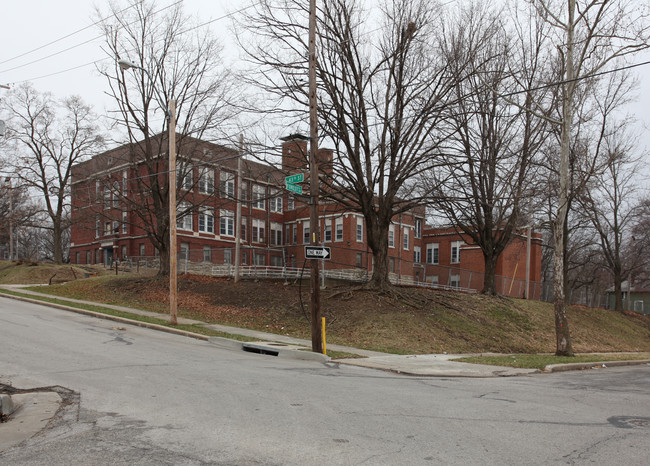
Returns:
<point x="629" y="422"/>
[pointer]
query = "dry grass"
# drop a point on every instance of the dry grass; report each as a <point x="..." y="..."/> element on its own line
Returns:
<point x="442" y="321"/>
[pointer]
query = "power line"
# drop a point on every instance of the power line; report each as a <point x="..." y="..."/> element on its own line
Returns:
<point x="78" y="44"/>
<point x="64" y="37"/>
<point x="100" y="36"/>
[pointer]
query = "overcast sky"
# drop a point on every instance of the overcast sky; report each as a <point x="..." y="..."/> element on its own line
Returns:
<point x="66" y="67"/>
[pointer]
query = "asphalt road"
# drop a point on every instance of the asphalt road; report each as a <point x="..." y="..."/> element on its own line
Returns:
<point x="137" y="396"/>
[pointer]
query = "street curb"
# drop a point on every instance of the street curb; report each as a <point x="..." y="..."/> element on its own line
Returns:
<point x="122" y="320"/>
<point x="578" y="366"/>
<point x="217" y="341"/>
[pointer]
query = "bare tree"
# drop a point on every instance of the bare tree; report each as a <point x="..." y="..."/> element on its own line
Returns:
<point x="176" y="60"/>
<point x="383" y="86"/>
<point x="486" y="185"/>
<point x="590" y="36"/>
<point x="48" y="137"/>
<point x="611" y="206"/>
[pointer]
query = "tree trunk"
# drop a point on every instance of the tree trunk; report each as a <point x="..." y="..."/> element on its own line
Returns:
<point x="57" y="236"/>
<point x="378" y="243"/>
<point x="618" y="293"/>
<point x="489" y="279"/>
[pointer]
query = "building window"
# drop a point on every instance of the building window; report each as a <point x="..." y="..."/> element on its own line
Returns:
<point x="418" y="228"/>
<point x="107" y="197"/>
<point x="184" y="221"/>
<point x="77" y="257"/>
<point x="391" y="264"/>
<point x="275" y="203"/>
<point x="97" y="227"/>
<point x="124" y="222"/>
<point x="295" y="233"/>
<point x="259" y="259"/>
<point x="417" y="254"/>
<point x="339" y="229"/>
<point x="291" y="203"/>
<point x="258" y="230"/>
<point x="206" y="181"/>
<point x="276" y="261"/>
<point x="124" y="253"/>
<point x="433" y="253"/>
<point x="206" y="220"/>
<point x="359" y="261"/>
<point x="405" y="240"/>
<point x="433" y="279"/>
<point x="184" y="176"/>
<point x="258" y="197"/>
<point x="359" y="230"/>
<point x="207" y="254"/>
<point x="116" y="194"/>
<point x="125" y="183"/>
<point x="455" y="251"/>
<point x="276" y="234"/>
<point x="142" y="250"/>
<point x="287" y="234"/>
<point x="242" y="234"/>
<point x="227" y="256"/>
<point x="454" y="280"/>
<point x="243" y="192"/>
<point x="185" y="252"/>
<point x="305" y="232"/>
<point x="227" y="223"/>
<point x="244" y="257"/>
<point x="227" y="185"/>
<point x="391" y="236"/>
<point x="107" y="228"/>
<point x="328" y="230"/>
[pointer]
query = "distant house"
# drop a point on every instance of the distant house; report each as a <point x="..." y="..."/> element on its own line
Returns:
<point x="636" y="298"/>
<point x="274" y="224"/>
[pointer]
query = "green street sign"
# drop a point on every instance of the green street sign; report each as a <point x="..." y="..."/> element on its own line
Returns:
<point x="290" y="183"/>
<point x="294" y="188"/>
<point x="293" y="179"/>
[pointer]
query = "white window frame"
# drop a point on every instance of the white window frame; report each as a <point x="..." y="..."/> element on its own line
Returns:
<point x="185" y="221"/>
<point x="338" y="233"/>
<point x="433" y="253"/>
<point x="226" y="223"/>
<point x="391" y="236"/>
<point x="259" y="194"/>
<point x="206" y="181"/>
<point x="417" y="254"/>
<point x="206" y="220"/>
<point x="328" y="230"/>
<point x="258" y="230"/>
<point x="359" y="230"/>
<point x="275" y="202"/>
<point x="276" y="234"/>
<point x="418" y="228"/>
<point x="455" y="252"/>
<point x="226" y="184"/>
<point x="124" y="222"/>
<point x="405" y="238"/>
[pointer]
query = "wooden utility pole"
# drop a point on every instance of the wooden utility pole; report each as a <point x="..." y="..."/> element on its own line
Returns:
<point x="238" y="193"/>
<point x="314" y="228"/>
<point x="173" y="270"/>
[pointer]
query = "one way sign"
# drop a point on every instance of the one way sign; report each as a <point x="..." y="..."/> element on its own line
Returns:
<point x="317" y="252"/>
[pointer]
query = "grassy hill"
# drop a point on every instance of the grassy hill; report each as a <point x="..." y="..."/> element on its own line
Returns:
<point x="409" y="321"/>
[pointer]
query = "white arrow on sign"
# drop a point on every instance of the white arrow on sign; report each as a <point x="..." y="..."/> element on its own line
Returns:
<point x="317" y="252"/>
